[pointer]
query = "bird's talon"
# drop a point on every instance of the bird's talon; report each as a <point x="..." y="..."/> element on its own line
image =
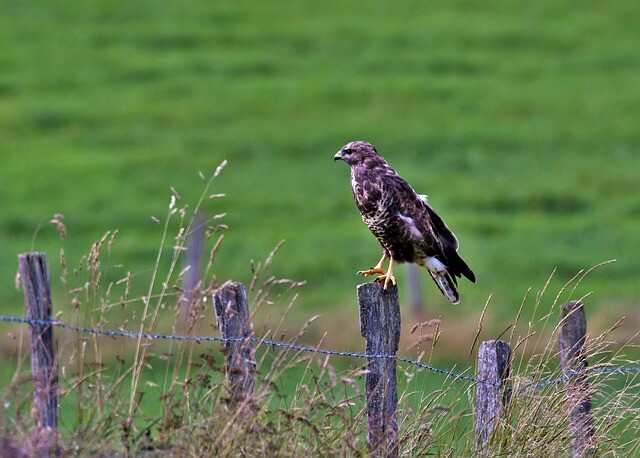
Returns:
<point x="372" y="271"/>
<point x="387" y="278"/>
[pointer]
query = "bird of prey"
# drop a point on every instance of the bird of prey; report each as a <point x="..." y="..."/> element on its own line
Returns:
<point x="406" y="226"/>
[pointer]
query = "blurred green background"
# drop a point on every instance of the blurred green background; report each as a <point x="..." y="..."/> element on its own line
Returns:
<point x="519" y="120"/>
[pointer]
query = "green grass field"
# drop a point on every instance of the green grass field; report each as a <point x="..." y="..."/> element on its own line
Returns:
<point x="520" y="121"/>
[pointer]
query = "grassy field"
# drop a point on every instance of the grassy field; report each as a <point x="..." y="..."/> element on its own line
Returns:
<point x="520" y="121"/>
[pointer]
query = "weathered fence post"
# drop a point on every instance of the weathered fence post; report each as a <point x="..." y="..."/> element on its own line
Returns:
<point x="192" y="281"/>
<point x="380" y="326"/>
<point x="34" y="275"/>
<point x="232" y="312"/>
<point x="572" y="335"/>
<point x="494" y="359"/>
<point x="415" y="294"/>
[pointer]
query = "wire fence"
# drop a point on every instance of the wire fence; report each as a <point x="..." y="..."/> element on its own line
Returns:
<point x="323" y="351"/>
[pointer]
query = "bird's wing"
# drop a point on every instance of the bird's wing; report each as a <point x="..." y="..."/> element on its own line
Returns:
<point x="417" y="221"/>
<point x="449" y="243"/>
<point x="441" y="229"/>
<point x="438" y="239"/>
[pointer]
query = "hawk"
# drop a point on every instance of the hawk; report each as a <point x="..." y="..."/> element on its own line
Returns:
<point x="406" y="226"/>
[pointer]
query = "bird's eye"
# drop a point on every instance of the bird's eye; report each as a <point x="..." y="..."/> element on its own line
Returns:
<point x="347" y="151"/>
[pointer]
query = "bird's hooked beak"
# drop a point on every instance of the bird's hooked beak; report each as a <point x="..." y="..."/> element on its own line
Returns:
<point x="338" y="156"/>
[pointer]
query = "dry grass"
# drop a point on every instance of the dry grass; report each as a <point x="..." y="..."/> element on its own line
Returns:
<point x="170" y="398"/>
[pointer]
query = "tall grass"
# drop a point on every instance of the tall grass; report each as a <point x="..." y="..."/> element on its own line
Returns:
<point x="171" y="398"/>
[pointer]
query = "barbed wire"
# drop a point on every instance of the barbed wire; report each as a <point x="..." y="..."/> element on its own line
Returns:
<point x="304" y="348"/>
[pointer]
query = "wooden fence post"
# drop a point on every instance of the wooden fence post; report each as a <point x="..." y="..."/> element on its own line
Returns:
<point x="232" y="312"/>
<point x="494" y="360"/>
<point x="572" y="335"/>
<point x="415" y="293"/>
<point x="380" y="326"/>
<point x="192" y="280"/>
<point x="34" y="275"/>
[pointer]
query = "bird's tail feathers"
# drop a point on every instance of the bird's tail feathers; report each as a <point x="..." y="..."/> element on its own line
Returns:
<point x="464" y="269"/>
<point x="458" y="267"/>
<point x="447" y="285"/>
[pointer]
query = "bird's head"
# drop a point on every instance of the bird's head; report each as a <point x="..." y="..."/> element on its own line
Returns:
<point x="356" y="152"/>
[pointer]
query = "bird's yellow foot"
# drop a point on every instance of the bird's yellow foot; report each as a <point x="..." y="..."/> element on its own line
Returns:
<point x="375" y="270"/>
<point x="388" y="278"/>
<point x="372" y="271"/>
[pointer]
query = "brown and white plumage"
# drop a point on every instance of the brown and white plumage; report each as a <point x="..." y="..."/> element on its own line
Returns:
<point x="406" y="226"/>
